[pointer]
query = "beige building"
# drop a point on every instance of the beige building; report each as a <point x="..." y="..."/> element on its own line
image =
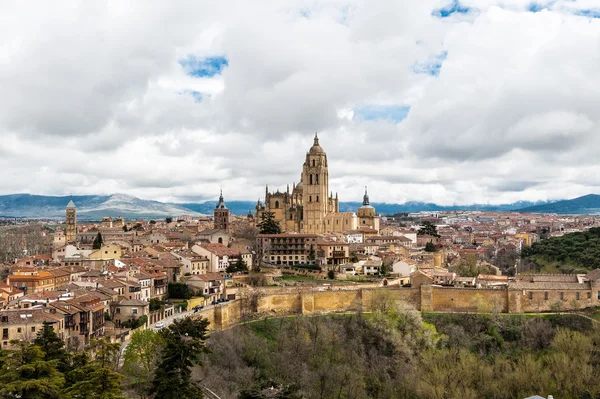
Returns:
<point x="24" y="324"/>
<point x="310" y="207"/>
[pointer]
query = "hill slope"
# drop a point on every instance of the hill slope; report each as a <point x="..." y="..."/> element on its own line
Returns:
<point x="588" y="204"/>
<point x="88" y="207"/>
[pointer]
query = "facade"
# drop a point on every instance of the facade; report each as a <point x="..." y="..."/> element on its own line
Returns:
<point x="222" y="215"/>
<point x="367" y="218"/>
<point x="310" y="207"/>
<point x="71" y="223"/>
<point x="24" y="324"/>
<point x="287" y="249"/>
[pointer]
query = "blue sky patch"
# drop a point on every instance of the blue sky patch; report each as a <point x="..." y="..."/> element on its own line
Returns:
<point x="431" y="67"/>
<point x="452" y="8"/>
<point x="394" y="113"/>
<point x="196" y="95"/>
<point x="535" y="7"/>
<point x="591" y="13"/>
<point x="203" y="67"/>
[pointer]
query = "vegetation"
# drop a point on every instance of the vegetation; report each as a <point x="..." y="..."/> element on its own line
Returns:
<point x="468" y="267"/>
<point x="44" y="369"/>
<point x="578" y="250"/>
<point x="238" y="266"/>
<point x="268" y="224"/>
<point x="395" y="353"/>
<point x="428" y="229"/>
<point x="179" y="291"/>
<point x="98" y="241"/>
<point x="134" y="323"/>
<point x="15" y="241"/>
<point x="430" y="247"/>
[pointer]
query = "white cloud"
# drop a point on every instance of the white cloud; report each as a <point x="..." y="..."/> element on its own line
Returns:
<point x="94" y="99"/>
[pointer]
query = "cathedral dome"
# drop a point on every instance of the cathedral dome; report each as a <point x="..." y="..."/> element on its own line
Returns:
<point x="316" y="149"/>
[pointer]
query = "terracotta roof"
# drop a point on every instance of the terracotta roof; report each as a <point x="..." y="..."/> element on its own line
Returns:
<point x="37" y="316"/>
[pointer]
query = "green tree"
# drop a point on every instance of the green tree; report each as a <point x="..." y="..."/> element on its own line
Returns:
<point x="26" y="374"/>
<point x="153" y="222"/>
<point x="98" y="378"/>
<point x="268" y="224"/>
<point x="311" y="254"/>
<point x="184" y="343"/>
<point x="428" y="229"/>
<point x="125" y="228"/>
<point x="331" y="275"/>
<point x="429" y="247"/>
<point x="168" y="219"/>
<point x="238" y="266"/>
<point x="98" y="241"/>
<point x="141" y="358"/>
<point x="52" y="346"/>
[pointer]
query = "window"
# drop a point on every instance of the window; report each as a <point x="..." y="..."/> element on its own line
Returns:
<point x="276" y="204"/>
<point x="134" y="311"/>
<point x="316" y="179"/>
<point x="530" y="295"/>
<point x="562" y="296"/>
<point x="310" y="199"/>
<point x="118" y="310"/>
<point x="32" y="328"/>
<point x="577" y="296"/>
<point x="546" y="296"/>
<point x="589" y="295"/>
<point x="19" y="330"/>
<point x="5" y="318"/>
<point x="310" y="179"/>
<point x="313" y="162"/>
<point x="317" y="198"/>
<point x="5" y="333"/>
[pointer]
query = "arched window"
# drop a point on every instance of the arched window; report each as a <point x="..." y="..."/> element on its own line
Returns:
<point x="220" y="240"/>
<point x="276" y="204"/>
<point x="317" y="179"/>
<point x="363" y="222"/>
<point x="317" y="198"/>
<point x="310" y="198"/>
<point x="313" y="162"/>
<point x="311" y="179"/>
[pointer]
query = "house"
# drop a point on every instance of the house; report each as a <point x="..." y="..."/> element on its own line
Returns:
<point x="220" y="257"/>
<point x="372" y="267"/>
<point x="214" y="236"/>
<point x="9" y="293"/>
<point x="491" y="281"/>
<point x="31" y="280"/>
<point x="127" y="309"/>
<point x="24" y="324"/>
<point x="192" y="262"/>
<point x="210" y="285"/>
<point x="333" y="252"/>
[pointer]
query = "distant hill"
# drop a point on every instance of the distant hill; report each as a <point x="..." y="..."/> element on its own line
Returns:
<point x="94" y="207"/>
<point x="588" y="204"/>
<point x="89" y="207"/>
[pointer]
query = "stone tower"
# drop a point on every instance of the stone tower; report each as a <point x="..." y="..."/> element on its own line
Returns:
<point x="222" y="215"/>
<point x="315" y="187"/>
<point x="367" y="217"/>
<point x="71" y="223"/>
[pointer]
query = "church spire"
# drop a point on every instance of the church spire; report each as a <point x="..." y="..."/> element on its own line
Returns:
<point x="221" y="204"/>
<point x="316" y="139"/>
<point x="366" y="197"/>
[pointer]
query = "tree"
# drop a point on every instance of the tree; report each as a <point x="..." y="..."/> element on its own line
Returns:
<point x="125" y="228"/>
<point x="153" y="222"/>
<point x="238" y="266"/>
<point x="184" y="343"/>
<point x="168" y="219"/>
<point x="141" y="358"/>
<point x="429" y="247"/>
<point x="331" y="275"/>
<point x="268" y="224"/>
<point x="52" y="346"/>
<point x="311" y="254"/>
<point x="98" y="241"/>
<point x="27" y="375"/>
<point x="428" y="229"/>
<point x="98" y="378"/>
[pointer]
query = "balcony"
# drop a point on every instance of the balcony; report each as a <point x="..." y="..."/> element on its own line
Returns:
<point x="135" y="289"/>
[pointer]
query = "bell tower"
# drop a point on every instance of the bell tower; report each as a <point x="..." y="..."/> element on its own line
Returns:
<point x="222" y="215"/>
<point x="315" y="186"/>
<point x="71" y="223"/>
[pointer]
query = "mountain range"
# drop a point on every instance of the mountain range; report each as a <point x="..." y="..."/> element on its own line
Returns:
<point x="94" y="207"/>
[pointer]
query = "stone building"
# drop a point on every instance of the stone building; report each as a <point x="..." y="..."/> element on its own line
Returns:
<point x="71" y="223"/>
<point x="222" y="215"/>
<point x="310" y="207"/>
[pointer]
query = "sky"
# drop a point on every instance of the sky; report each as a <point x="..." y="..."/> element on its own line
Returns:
<point x="451" y="102"/>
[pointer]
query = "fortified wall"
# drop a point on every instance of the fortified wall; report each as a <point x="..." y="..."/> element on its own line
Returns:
<point x="425" y="298"/>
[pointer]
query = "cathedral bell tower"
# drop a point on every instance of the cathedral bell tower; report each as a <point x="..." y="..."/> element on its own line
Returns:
<point x="71" y="223"/>
<point x="315" y="186"/>
<point x="222" y="215"/>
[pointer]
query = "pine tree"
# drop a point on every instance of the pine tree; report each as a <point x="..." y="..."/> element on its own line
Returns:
<point x="52" y="346"/>
<point x="98" y="241"/>
<point x="184" y="342"/>
<point x="268" y="224"/>
<point x="27" y="375"/>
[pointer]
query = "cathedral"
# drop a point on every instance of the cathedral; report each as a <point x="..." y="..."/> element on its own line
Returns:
<point x="310" y="207"/>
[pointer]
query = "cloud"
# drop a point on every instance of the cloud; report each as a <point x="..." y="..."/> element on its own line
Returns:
<point x="438" y="101"/>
